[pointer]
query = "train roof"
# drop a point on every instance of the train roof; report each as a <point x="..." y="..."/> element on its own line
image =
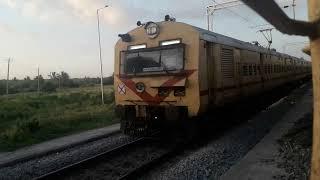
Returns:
<point x="229" y="41"/>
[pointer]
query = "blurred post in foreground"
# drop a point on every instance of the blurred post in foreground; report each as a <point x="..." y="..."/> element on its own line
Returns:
<point x="271" y="12"/>
<point x="314" y="14"/>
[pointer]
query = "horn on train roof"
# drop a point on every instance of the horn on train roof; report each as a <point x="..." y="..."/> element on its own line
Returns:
<point x="168" y="18"/>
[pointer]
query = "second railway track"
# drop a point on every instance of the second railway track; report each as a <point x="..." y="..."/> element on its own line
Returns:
<point x="123" y="162"/>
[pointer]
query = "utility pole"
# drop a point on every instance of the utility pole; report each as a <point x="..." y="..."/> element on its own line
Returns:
<point x="293" y="8"/>
<point x="38" y="80"/>
<point x="209" y="13"/>
<point x="8" y="72"/>
<point x="100" y="55"/>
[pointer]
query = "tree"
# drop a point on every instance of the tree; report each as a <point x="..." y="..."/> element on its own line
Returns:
<point x="53" y="75"/>
<point x="56" y="77"/>
<point x="41" y="79"/>
<point x="49" y="87"/>
<point x="62" y="79"/>
<point x="64" y="76"/>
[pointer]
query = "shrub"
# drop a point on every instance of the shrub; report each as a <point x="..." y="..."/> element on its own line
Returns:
<point x="21" y="130"/>
<point x="49" y="87"/>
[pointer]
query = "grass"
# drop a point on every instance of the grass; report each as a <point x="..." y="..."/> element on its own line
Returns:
<point x="26" y="119"/>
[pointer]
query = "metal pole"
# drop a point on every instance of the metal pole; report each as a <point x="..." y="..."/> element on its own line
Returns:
<point x="293" y="8"/>
<point x="314" y="9"/>
<point x="100" y="55"/>
<point x="208" y="18"/>
<point x="38" y="80"/>
<point x="8" y="72"/>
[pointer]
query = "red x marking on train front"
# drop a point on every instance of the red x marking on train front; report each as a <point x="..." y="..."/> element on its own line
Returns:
<point x="148" y="98"/>
<point x="122" y="89"/>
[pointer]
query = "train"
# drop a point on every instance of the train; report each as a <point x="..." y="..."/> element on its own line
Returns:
<point x="172" y="72"/>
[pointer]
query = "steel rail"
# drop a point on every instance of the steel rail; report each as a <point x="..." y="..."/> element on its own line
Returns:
<point x="91" y="161"/>
<point x="139" y="171"/>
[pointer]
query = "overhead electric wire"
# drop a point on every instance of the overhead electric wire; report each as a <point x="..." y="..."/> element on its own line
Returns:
<point x="235" y="13"/>
<point x="262" y="25"/>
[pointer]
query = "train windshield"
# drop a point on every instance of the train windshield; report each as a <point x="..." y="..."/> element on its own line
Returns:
<point x="156" y="60"/>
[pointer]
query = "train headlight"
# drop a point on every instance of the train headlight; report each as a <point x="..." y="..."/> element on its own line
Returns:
<point x="179" y="92"/>
<point x="152" y="29"/>
<point x="140" y="87"/>
<point x="163" y="92"/>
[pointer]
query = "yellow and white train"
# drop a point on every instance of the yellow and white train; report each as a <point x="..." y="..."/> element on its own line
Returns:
<point x="171" y="71"/>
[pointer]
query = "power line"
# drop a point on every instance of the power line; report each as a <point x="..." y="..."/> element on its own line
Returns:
<point x="235" y="13"/>
<point x="284" y="47"/>
<point x="257" y="26"/>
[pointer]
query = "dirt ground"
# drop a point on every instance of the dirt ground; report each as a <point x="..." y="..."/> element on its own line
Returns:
<point x="295" y="150"/>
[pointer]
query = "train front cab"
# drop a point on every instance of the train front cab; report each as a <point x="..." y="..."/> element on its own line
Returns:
<point x="156" y="78"/>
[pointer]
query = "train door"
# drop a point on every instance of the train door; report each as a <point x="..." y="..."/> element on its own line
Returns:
<point x="228" y="74"/>
<point x="237" y="62"/>
<point x="227" y="67"/>
<point x="211" y="71"/>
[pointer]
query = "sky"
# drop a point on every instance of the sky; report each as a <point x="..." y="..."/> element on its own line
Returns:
<point x="61" y="35"/>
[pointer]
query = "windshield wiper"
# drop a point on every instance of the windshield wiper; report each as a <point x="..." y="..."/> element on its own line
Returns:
<point x="165" y="68"/>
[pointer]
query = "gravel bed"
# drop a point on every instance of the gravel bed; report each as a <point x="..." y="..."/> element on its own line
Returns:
<point x="40" y="166"/>
<point x="295" y="150"/>
<point x="214" y="159"/>
<point x="121" y="163"/>
<point x="209" y="161"/>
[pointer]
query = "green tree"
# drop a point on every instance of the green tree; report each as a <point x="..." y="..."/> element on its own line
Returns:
<point x="49" y="87"/>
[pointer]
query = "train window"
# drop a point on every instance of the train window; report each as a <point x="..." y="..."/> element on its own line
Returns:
<point x="171" y="42"/>
<point x="158" y="60"/>
<point x="273" y="69"/>
<point x="265" y="69"/>
<point x="259" y="70"/>
<point x="245" y="70"/>
<point x="269" y="69"/>
<point x="255" y="70"/>
<point x="140" y="46"/>
<point x="250" y="70"/>
<point x="172" y="59"/>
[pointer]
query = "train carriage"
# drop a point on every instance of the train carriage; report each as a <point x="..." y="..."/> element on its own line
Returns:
<point x="171" y="71"/>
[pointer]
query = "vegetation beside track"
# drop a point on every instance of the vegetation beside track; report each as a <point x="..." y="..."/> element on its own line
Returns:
<point x="296" y="148"/>
<point x="30" y="118"/>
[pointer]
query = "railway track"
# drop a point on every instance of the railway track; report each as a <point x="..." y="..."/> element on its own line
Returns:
<point x="139" y="171"/>
<point x="127" y="161"/>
